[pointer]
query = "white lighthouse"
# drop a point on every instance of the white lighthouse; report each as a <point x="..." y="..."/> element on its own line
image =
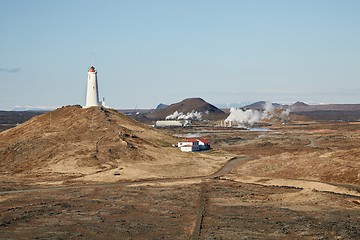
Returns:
<point x="92" y="94"/>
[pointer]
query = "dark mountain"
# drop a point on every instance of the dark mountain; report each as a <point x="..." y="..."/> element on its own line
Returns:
<point x="161" y="106"/>
<point x="187" y="106"/>
<point x="299" y="104"/>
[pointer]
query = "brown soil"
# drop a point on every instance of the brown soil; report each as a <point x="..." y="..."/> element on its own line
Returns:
<point x="94" y="144"/>
<point x="298" y="181"/>
<point x="225" y="209"/>
<point x="319" y="152"/>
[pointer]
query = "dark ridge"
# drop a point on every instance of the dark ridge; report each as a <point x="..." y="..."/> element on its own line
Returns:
<point x="189" y="105"/>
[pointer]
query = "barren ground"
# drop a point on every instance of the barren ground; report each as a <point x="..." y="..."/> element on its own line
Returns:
<point x="297" y="181"/>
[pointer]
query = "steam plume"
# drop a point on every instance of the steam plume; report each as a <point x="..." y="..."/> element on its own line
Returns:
<point x="193" y="115"/>
<point x="249" y="117"/>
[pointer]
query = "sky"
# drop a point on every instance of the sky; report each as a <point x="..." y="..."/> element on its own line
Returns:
<point x="163" y="51"/>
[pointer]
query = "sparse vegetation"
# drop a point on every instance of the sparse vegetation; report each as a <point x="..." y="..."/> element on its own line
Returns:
<point x="297" y="181"/>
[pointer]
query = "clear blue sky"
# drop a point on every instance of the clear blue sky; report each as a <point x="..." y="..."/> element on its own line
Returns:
<point x="147" y="52"/>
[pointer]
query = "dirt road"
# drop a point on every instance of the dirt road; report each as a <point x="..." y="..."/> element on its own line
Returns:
<point x="201" y="207"/>
<point x="233" y="162"/>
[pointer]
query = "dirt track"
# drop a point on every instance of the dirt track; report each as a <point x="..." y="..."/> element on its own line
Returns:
<point x="227" y="209"/>
<point x="295" y="183"/>
<point x="224" y="170"/>
<point x="221" y="172"/>
<point x="196" y="232"/>
<point x="123" y="210"/>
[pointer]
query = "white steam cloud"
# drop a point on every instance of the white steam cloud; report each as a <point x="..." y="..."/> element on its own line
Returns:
<point x="285" y="114"/>
<point x="249" y="117"/>
<point x="269" y="108"/>
<point x="193" y="115"/>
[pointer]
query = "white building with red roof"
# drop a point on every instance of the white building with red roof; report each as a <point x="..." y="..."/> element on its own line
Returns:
<point x="193" y="145"/>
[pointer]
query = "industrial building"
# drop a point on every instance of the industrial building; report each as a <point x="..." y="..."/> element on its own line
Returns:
<point x="172" y="123"/>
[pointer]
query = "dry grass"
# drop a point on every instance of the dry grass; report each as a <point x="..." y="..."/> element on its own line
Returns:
<point x="93" y="144"/>
<point x="319" y="152"/>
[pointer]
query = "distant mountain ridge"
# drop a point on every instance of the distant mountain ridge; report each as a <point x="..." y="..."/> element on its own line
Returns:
<point x="230" y="105"/>
<point x="326" y="107"/>
<point x="322" y="112"/>
<point x="260" y="105"/>
<point x="301" y="106"/>
<point x="161" y="106"/>
<point x="31" y="108"/>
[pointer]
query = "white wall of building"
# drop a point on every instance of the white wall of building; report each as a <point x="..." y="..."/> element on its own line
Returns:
<point x="192" y="146"/>
<point x="186" y="148"/>
<point x="168" y="123"/>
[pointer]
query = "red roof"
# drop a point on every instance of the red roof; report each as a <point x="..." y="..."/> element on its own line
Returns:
<point x="188" y="145"/>
<point x="203" y="140"/>
<point x="191" y="140"/>
<point x="92" y="69"/>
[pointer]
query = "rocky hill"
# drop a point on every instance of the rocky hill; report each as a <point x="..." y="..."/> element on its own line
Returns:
<point x="299" y="104"/>
<point x="91" y="144"/>
<point x="189" y="105"/>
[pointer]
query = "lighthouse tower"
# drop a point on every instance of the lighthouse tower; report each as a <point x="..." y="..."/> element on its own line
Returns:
<point x="92" y="94"/>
